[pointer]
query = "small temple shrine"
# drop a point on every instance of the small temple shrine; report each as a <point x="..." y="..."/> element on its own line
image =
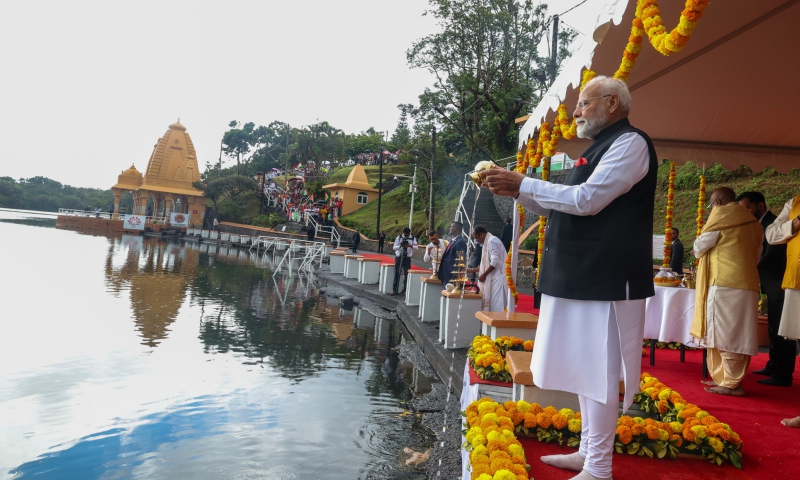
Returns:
<point x="167" y="180"/>
<point x="355" y="192"/>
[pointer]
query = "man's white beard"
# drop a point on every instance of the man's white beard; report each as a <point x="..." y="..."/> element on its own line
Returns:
<point x="591" y="126"/>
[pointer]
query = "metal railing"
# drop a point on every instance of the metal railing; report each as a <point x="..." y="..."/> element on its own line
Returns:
<point x="462" y="215"/>
<point x="331" y="230"/>
<point x="109" y="216"/>
<point x="308" y="254"/>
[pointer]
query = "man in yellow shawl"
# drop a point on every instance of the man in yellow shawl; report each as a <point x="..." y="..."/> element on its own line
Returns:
<point x="784" y="230"/>
<point x="726" y="297"/>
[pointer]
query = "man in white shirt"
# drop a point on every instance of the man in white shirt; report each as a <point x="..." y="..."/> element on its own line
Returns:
<point x="590" y="299"/>
<point x="491" y="280"/>
<point x="404" y="246"/>
<point x="434" y="250"/>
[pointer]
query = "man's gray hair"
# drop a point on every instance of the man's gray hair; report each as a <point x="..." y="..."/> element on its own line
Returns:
<point x="609" y="86"/>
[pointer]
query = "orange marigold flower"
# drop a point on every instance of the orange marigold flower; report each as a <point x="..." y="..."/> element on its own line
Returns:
<point x="625" y="434"/>
<point x="676" y="440"/>
<point x="499" y="454"/>
<point x="510" y="405"/>
<point x="519" y="468"/>
<point x="707" y="421"/>
<point x="518" y="460"/>
<point x="501" y="464"/>
<point x="544" y="420"/>
<point x="651" y="431"/>
<point x="530" y="420"/>
<point x="478" y="470"/>
<point x="663" y="406"/>
<point x="689" y="435"/>
<point x="637" y="429"/>
<point x="506" y="423"/>
<point x="559" y="421"/>
<point x="536" y="408"/>
<point x="550" y="410"/>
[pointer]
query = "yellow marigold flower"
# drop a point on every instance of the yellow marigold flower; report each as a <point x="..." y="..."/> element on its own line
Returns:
<point x="499" y="454"/>
<point x="700" y="431"/>
<point x="701" y="414"/>
<point x="493" y="435"/>
<point x="640" y="420"/>
<point x="486" y="407"/>
<point x="717" y="444"/>
<point x="567" y="412"/>
<point x="514" y="449"/>
<point x="559" y="421"/>
<point x="497" y="368"/>
<point x="509" y="435"/>
<point x="523" y="406"/>
<point x="625" y="434"/>
<point x="504" y="474"/>
<point x="664" y="394"/>
<point x="472" y="432"/>
<point x="663" y="435"/>
<point x="486" y="400"/>
<point x="679" y="406"/>
<point x="676" y="427"/>
<point x="544" y="420"/>
<point x="492" y="417"/>
<point x="478" y="440"/>
<point x="574" y="425"/>
<point x="480" y="450"/>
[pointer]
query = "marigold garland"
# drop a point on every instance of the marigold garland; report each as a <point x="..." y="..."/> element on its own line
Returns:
<point x="701" y="209"/>
<point x="670" y="208"/>
<point x="523" y="160"/>
<point x="488" y="357"/>
<point x="648" y="21"/>
<point x="679" y="427"/>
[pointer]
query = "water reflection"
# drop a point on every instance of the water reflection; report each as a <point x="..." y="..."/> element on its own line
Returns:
<point x="182" y="360"/>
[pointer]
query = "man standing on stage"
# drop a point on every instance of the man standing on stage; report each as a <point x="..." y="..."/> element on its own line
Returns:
<point x="434" y="250"/>
<point x="596" y="269"/>
<point x="784" y="230"/>
<point x="782" y="351"/>
<point x="726" y="293"/>
<point x="676" y="254"/>
<point x="457" y="244"/>
<point x="404" y="246"/>
<point x="491" y="279"/>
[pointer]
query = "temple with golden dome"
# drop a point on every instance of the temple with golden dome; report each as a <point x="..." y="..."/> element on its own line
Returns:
<point x="167" y="180"/>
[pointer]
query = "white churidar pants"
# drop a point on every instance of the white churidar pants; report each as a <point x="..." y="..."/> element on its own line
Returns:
<point x="585" y="347"/>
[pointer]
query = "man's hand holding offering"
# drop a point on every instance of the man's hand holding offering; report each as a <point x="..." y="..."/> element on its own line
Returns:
<point x="502" y="182"/>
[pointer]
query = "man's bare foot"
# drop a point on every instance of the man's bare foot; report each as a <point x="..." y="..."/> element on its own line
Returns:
<point x="573" y="461"/>
<point x="709" y="382"/>
<point x="584" y="475"/>
<point x="734" y="392"/>
<point x="791" y="422"/>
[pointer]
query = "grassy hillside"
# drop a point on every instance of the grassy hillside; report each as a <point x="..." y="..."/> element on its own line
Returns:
<point x="777" y="189"/>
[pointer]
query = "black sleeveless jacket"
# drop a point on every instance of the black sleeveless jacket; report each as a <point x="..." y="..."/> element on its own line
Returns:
<point x="593" y="257"/>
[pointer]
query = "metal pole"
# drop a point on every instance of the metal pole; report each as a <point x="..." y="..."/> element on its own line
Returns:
<point x="555" y="50"/>
<point x="413" y="190"/>
<point x="380" y="193"/>
<point x="433" y="157"/>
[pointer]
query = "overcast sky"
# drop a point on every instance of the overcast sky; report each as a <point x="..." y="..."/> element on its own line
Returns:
<point x="87" y="87"/>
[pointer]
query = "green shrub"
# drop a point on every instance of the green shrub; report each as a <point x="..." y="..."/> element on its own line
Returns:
<point x="530" y="243"/>
<point x="269" y="221"/>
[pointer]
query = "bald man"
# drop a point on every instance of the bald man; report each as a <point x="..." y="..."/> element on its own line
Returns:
<point x="727" y="291"/>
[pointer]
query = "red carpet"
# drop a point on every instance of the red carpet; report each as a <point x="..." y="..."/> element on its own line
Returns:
<point x="771" y="451"/>
<point x="387" y="259"/>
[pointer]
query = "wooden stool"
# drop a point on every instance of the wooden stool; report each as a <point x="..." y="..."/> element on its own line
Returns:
<point x="517" y="324"/>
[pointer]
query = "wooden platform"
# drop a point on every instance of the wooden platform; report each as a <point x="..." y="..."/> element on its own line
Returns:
<point x="505" y="324"/>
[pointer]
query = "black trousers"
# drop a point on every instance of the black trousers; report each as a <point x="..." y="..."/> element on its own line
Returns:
<point x="782" y="352"/>
<point x="405" y="267"/>
<point x="380" y="246"/>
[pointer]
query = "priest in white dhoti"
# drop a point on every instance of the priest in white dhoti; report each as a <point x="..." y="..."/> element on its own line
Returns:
<point x="784" y="230"/>
<point x="596" y="269"/>
<point x="491" y="280"/>
<point x="727" y="291"/>
<point x="434" y="250"/>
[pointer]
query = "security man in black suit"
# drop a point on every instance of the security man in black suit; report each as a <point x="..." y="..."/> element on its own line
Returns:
<point x="676" y="256"/>
<point x="782" y="352"/>
<point x="457" y="244"/>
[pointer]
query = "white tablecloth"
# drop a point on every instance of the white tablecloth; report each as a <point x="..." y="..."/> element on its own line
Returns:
<point x="668" y="315"/>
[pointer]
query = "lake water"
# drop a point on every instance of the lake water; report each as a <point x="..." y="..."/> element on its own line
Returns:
<point x="130" y="357"/>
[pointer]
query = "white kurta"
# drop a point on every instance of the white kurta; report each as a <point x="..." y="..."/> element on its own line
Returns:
<point x="433" y="253"/>
<point x="781" y="232"/>
<point x="728" y="310"/>
<point x="570" y="353"/>
<point x="495" y="288"/>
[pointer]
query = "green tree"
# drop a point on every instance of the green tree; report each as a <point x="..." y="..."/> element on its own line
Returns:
<point x="402" y="135"/>
<point x="483" y="61"/>
<point x="231" y="188"/>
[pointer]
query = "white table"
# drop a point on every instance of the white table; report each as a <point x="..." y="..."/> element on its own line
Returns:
<point x="668" y="318"/>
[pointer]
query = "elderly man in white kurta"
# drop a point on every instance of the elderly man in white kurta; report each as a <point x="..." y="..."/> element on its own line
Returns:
<point x="784" y="230"/>
<point x="491" y="280"/>
<point x="596" y="269"/>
